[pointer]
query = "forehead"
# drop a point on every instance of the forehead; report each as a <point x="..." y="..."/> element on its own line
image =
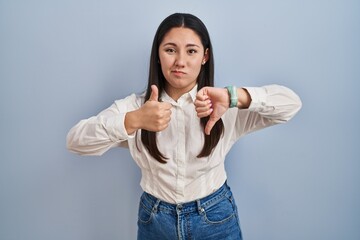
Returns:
<point x="181" y="36"/>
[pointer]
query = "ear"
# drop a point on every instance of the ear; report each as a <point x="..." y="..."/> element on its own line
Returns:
<point x="206" y="56"/>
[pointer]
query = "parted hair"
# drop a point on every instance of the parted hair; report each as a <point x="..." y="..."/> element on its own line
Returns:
<point x="205" y="78"/>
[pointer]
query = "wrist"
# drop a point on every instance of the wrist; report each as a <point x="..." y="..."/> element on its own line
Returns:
<point x="132" y="123"/>
<point x="244" y="98"/>
<point x="233" y="96"/>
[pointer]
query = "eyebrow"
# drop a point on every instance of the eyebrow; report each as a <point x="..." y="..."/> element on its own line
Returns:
<point x="187" y="45"/>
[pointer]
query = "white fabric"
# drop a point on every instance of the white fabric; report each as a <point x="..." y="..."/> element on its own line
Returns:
<point x="184" y="177"/>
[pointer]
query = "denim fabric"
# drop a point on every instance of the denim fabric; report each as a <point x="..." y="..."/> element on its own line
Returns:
<point x="213" y="217"/>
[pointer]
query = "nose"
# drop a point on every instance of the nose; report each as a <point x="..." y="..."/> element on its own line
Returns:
<point x="180" y="60"/>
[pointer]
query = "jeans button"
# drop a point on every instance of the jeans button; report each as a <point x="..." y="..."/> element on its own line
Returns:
<point x="178" y="207"/>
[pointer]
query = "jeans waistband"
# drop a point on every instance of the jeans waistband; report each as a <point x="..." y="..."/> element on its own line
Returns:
<point x="196" y="205"/>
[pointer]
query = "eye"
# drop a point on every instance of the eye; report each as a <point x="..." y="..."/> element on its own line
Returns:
<point x="170" y="50"/>
<point x="192" y="51"/>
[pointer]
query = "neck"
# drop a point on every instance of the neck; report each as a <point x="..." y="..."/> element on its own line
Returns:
<point x="175" y="94"/>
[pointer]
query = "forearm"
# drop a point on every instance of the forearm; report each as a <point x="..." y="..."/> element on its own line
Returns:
<point x="95" y="135"/>
<point x="132" y="121"/>
<point x="274" y="102"/>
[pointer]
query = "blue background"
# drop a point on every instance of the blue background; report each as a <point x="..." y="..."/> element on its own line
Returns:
<point x="62" y="61"/>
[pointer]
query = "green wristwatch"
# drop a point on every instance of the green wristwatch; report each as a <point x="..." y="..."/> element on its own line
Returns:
<point x="233" y="96"/>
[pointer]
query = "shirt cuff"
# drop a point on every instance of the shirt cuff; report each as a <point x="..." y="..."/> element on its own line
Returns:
<point x="258" y="98"/>
<point x="116" y="128"/>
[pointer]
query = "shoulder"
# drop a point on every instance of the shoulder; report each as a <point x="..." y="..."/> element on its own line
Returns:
<point x="130" y="102"/>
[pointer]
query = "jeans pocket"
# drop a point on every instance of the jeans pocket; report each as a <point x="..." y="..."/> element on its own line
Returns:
<point x="220" y="212"/>
<point x="144" y="214"/>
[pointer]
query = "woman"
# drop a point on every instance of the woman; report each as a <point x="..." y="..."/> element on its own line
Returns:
<point x="179" y="133"/>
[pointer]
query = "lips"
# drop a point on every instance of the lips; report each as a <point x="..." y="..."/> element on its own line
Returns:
<point x="178" y="73"/>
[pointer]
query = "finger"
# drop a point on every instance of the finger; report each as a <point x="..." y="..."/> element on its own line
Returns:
<point x="164" y="126"/>
<point x="166" y="105"/>
<point x="210" y="124"/>
<point x="203" y="109"/>
<point x="160" y="127"/>
<point x="167" y="115"/>
<point x="205" y="103"/>
<point x="201" y="95"/>
<point x="154" y="96"/>
<point x="167" y="120"/>
<point x="204" y="114"/>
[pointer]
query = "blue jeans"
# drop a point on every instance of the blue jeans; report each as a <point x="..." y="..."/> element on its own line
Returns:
<point x="213" y="217"/>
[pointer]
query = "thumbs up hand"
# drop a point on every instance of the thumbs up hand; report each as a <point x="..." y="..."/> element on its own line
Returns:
<point x="152" y="115"/>
<point x="155" y="116"/>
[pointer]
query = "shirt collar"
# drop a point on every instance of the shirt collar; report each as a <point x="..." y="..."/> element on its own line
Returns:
<point x="192" y="94"/>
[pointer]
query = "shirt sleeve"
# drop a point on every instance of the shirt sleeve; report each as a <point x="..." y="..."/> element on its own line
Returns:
<point x="270" y="105"/>
<point x="97" y="134"/>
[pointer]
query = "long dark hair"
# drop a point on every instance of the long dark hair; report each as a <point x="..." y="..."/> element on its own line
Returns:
<point x="205" y="78"/>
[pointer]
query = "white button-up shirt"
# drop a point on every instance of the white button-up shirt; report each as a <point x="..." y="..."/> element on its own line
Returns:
<point x="184" y="177"/>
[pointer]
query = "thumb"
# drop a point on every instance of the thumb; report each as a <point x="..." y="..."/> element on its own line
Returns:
<point x="209" y="125"/>
<point x="154" y="96"/>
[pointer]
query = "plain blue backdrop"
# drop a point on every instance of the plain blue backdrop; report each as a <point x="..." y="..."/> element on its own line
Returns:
<point x="62" y="61"/>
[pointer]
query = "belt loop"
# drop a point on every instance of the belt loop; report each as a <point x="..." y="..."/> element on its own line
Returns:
<point x="155" y="207"/>
<point x="200" y="209"/>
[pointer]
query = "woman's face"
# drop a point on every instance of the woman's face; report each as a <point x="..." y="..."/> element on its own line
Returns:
<point x="181" y="55"/>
